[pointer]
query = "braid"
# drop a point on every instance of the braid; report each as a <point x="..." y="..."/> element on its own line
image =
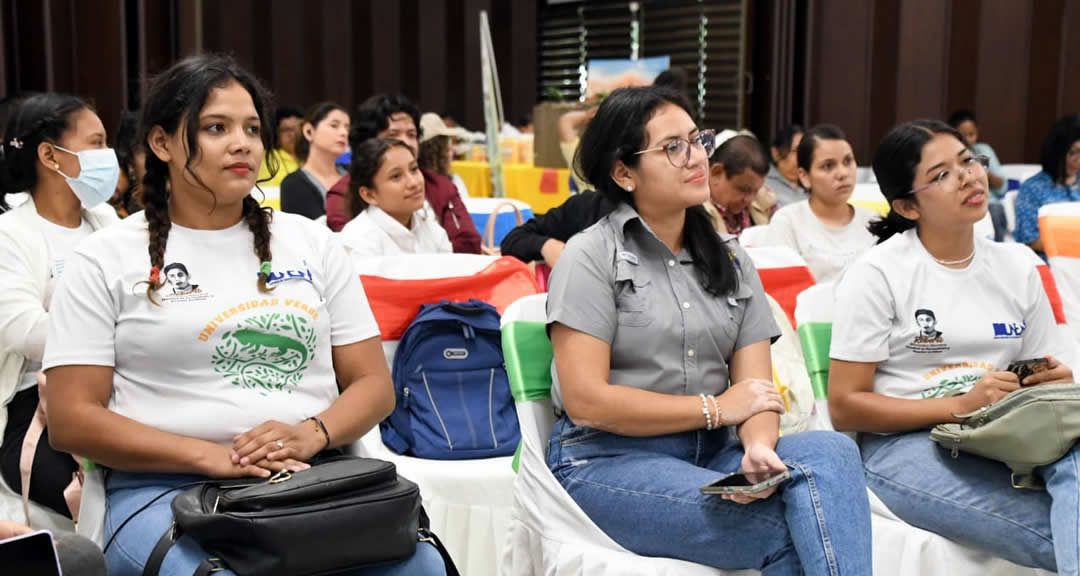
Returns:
<point x="156" y="200"/>
<point x="258" y="220"/>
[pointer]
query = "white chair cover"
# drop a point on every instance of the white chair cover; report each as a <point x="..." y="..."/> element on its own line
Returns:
<point x="468" y="501"/>
<point x="1009" y="202"/>
<point x="548" y="532"/>
<point x="899" y="548"/>
<point x="754" y="236"/>
<point x="1020" y="172"/>
<point x="1058" y="224"/>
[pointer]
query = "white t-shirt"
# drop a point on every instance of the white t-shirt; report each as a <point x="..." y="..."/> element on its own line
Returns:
<point x="828" y="250"/>
<point x="375" y="233"/>
<point x="934" y="331"/>
<point x="61" y="242"/>
<point x="217" y="357"/>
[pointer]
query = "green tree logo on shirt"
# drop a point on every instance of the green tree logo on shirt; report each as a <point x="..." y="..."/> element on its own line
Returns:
<point x="267" y="353"/>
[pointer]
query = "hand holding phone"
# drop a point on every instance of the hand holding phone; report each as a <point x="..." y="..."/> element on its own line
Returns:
<point x="32" y="553"/>
<point x="1025" y="368"/>
<point x="738" y="483"/>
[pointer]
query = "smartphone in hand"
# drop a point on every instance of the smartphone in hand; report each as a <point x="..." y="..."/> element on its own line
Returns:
<point x="1025" y="368"/>
<point x="31" y="553"/>
<point x="738" y="483"/>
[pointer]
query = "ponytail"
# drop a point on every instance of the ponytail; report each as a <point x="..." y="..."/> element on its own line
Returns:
<point x="893" y="223"/>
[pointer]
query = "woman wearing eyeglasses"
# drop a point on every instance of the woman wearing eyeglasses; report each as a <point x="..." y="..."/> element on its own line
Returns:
<point x="925" y="325"/>
<point x="661" y="336"/>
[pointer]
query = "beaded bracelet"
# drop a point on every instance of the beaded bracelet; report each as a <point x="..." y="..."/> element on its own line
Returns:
<point x="705" y="410"/>
<point x="716" y="408"/>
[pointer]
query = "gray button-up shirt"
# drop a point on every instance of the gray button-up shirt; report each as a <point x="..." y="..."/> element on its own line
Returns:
<point x="618" y="282"/>
<point x="786" y="193"/>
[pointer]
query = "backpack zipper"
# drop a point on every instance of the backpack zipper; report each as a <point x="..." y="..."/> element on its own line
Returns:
<point x="423" y="375"/>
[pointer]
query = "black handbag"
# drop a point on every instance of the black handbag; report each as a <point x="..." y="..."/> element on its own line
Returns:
<point x="342" y="514"/>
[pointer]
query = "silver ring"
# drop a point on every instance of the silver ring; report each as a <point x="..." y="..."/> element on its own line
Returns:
<point x="280" y="444"/>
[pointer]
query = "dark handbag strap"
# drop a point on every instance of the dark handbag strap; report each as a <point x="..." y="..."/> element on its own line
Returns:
<point x="430" y="537"/>
<point x="157" y="555"/>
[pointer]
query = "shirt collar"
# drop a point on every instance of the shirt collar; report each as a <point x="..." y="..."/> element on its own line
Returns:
<point x="624" y="214"/>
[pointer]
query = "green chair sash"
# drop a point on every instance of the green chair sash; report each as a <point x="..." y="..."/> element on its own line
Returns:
<point x="528" y="360"/>
<point x="815" y="338"/>
<point x="528" y="354"/>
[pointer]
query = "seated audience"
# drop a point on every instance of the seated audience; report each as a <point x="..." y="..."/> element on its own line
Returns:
<point x="914" y="344"/>
<point x="661" y="333"/>
<point x="1060" y="159"/>
<point x="388" y="116"/>
<point x="324" y="137"/>
<point x="288" y="121"/>
<point x="386" y="201"/>
<point x="55" y="148"/>
<point x="132" y="160"/>
<point x="964" y="122"/>
<point x="737" y="171"/>
<point x="437" y="149"/>
<point x="825" y="230"/>
<point x="783" y="177"/>
<point x="146" y="383"/>
<point x="544" y="236"/>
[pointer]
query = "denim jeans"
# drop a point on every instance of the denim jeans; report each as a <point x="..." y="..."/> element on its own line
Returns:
<point x="645" y="493"/>
<point x="971" y="500"/>
<point x="1001" y="223"/>
<point x="127" y="492"/>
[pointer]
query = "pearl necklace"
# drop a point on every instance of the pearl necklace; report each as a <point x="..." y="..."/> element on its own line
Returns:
<point x="955" y="262"/>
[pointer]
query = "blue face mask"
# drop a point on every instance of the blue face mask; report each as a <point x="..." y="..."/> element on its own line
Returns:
<point x="98" y="174"/>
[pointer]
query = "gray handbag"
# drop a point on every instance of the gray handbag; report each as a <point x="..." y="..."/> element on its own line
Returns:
<point x="1028" y="428"/>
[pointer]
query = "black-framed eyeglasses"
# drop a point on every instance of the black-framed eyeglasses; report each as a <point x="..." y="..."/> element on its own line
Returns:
<point x="978" y="162"/>
<point x="678" y="150"/>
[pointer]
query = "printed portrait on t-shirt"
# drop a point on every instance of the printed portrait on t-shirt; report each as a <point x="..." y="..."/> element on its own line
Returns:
<point x="179" y="278"/>
<point x="929" y="339"/>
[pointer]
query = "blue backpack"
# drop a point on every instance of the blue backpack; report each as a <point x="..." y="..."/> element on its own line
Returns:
<point x="453" y="396"/>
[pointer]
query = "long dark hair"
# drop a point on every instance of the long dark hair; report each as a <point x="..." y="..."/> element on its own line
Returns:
<point x="178" y="95"/>
<point x="899" y="152"/>
<point x="1056" y="146"/>
<point x="367" y="158"/>
<point x="616" y="134"/>
<point x="35" y="119"/>
<point x="316" y="114"/>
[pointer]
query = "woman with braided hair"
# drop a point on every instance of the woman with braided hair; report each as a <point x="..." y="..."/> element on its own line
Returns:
<point x="274" y="359"/>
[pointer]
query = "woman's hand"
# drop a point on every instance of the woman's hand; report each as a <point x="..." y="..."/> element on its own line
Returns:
<point x="759" y="463"/>
<point x="276" y="446"/>
<point x="1055" y="373"/>
<point x="216" y="462"/>
<point x="12" y="529"/>
<point x="747" y="398"/>
<point x="993" y="386"/>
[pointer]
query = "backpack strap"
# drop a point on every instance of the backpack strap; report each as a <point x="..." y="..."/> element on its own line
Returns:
<point x="26" y="457"/>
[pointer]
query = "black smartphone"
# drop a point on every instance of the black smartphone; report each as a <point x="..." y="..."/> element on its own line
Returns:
<point x="31" y="553"/>
<point x="1025" y="368"/>
<point x="738" y="483"/>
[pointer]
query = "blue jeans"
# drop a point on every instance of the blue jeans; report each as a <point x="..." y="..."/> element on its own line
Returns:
<point x="645" y="493"/>
<point x="127" y="492"/>
<point x="1001" y="223"/>
<point x="971" y="500"/>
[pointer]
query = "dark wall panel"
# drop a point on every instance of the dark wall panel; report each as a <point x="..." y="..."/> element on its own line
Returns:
<point x="920" y="90"/>
<point x="840" y="67"/>
<point x="1003" y="66"/>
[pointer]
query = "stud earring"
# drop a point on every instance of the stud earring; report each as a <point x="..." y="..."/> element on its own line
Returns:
<point x="630" y="188"/>
<point x="56" y="166"/>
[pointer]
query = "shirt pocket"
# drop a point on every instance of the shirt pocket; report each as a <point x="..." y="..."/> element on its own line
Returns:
<point x="734" y="308"/>
<point x="632" y="291"/>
